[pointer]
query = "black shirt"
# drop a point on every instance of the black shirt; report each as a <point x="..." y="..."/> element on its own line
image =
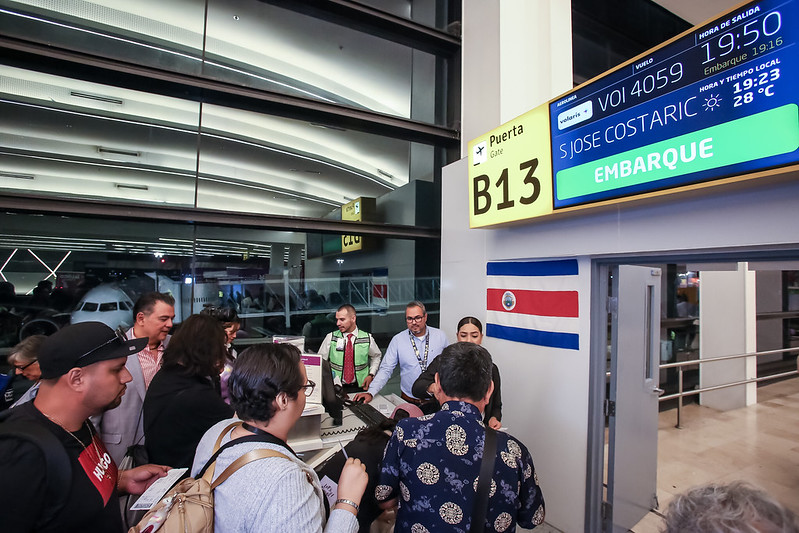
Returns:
<point x="178" y="409"/>
<point x="494" y="407"/>
<point x="24" y="488"/>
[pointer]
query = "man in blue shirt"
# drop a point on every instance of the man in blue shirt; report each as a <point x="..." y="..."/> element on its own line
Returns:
<point x="413" y="349"/>
<point x="432" y="463"/>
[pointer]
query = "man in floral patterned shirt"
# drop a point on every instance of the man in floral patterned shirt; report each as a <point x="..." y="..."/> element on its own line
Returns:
<point x="432" y="463"/>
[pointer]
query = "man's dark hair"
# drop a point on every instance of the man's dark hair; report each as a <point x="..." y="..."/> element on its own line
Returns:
<point x="147" y="301"/>
<point x="350" y="309"/>
<point x="465" y="371"/>
<point x="197" y="347"/>
<point x="417" y="303"/>
<point x="259" y="374"/>
<point x="226" y="315"/>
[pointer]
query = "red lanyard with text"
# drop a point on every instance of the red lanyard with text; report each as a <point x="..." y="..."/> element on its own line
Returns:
<point x="422" y="364"/>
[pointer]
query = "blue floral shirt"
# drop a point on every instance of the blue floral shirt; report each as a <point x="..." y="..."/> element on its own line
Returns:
<point x="432" y="464"/>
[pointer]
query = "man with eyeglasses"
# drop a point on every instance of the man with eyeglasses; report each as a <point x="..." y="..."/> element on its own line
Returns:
<point x="57" y="473"/>
<point x="413" y="349"/>
<point x="152" y="318"/>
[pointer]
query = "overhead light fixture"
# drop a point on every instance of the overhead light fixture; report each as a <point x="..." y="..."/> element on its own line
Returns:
<point x="97" y="97"/>
<point x="129" y="186"/>
<point x="305" y="170"/>
<point x="114" y="151"/>
<point x="325" y="126"/>
<point x="16" y="176"/>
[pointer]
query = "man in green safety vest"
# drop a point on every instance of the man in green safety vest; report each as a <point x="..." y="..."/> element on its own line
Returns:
<point x="353" y="353"/>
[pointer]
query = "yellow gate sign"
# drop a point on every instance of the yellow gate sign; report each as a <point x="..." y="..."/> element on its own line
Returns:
<point x="510" y="171"/>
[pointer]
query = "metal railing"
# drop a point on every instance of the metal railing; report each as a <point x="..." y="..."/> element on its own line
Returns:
<point x="679" y="366"/>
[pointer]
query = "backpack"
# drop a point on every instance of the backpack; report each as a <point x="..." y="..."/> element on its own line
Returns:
<point x="59" y="467"/>
<point x="189" y="505"/>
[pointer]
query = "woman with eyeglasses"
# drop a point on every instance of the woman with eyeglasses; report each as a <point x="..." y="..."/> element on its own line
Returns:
<point x="268" y="389"/>
<point x="183" y="399"/>
<point x="24" y="359"/>
<point x="470" y="329"/>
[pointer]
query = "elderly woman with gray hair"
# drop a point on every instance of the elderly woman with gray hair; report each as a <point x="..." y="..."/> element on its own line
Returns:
<point x="736" y="507"/>
<point x="25" y="360"/>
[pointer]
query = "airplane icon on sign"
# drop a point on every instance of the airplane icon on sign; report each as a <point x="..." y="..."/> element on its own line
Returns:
<point x="479" y="153"/>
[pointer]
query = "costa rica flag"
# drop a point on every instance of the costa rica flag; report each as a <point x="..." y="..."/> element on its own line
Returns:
<point x="535" y="302"/>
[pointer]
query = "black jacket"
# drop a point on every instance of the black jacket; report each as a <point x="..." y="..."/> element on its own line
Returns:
<point x="494" y="407"/>
<point x="178" y="409"/>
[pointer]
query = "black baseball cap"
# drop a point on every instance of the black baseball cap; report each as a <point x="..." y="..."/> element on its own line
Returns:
<point x="83" y="344"/>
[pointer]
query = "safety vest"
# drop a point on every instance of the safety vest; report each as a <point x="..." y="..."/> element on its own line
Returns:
<point x="360" y="345"/>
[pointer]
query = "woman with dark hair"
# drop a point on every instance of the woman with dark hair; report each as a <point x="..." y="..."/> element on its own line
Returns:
<point x="470" y="329"/>
<point x="268" y="389"/>
<point x="183" y="399"/>
<point x="229" y="319"/>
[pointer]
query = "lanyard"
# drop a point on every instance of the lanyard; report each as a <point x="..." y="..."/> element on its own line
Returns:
<point x="422" y="363"/>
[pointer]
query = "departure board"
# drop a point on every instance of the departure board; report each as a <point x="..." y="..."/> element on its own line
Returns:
<point x="721" y="100"/>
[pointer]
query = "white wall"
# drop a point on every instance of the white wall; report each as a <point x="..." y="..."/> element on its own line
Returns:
<point x="516" y="56"/>
<point x="727" y="318"/>
<point x="545" y="390"/>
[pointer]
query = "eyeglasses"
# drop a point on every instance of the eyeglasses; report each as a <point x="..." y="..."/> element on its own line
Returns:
<point x="119" y="335"/>
<point x="309" y="387"/>
<point x="23" y="367"/>
<point x="417" y="318"/>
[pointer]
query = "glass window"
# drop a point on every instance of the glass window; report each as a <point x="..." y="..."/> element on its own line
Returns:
<point x="78" y="139"/>
<point x="249" y="43"/>
<point x="167" y="35"/>
<point x="279" y="282"/>
<point x="266" y="164"/>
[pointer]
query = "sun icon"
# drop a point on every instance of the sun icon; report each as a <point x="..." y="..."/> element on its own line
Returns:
<point x="712" y="102"/>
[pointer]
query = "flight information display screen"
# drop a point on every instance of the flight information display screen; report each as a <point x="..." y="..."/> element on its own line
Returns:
<point x="719" y="101"/>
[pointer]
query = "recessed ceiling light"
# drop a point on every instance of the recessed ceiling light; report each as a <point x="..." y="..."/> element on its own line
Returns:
<point x="97" y="97"/>
<point x="16" y="176"/>
<point x="114" y="151"/>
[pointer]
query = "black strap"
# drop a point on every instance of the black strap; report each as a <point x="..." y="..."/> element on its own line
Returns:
<point x="57" y="463"/>
<point x="484" y="482"/>
<point x="266" y="437"/>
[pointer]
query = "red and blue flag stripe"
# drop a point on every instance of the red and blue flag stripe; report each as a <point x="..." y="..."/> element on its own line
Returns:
<point x="535" y="302"/>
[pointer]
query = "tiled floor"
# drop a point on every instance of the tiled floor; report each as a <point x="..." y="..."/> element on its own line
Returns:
<point x="759" y="444"/>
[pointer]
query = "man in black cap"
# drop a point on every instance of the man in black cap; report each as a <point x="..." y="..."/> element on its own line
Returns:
<point x="83" y="374"/>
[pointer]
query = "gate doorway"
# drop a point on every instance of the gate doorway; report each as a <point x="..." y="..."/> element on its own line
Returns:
<point x="635" y="329"/>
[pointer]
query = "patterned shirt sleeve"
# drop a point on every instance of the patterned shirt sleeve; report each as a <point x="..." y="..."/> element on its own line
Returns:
<point x="388" y="482"/>
<point x="532" y="511"/>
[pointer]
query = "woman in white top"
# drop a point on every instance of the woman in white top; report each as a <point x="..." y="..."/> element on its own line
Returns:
<point x="268" y="388"/>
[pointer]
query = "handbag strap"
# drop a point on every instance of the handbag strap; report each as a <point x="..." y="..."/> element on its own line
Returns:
<point x="211" y="464"/>
<point x="484" y="481"/>
<point x="207" y="471"/>
<point x="248" y="457"/>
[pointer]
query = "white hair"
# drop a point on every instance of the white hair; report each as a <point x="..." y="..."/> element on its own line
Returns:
<point x="736" y="507"/>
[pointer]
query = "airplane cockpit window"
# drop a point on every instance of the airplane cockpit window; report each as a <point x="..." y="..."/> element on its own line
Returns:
<point x="125" y="305"/>
<point x="108" y="306"/>
<point x="90" y="307"/>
